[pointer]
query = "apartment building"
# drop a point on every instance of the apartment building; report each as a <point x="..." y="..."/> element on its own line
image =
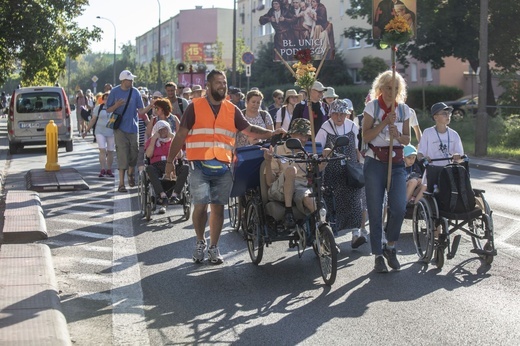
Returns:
<point x="191" y="35"/>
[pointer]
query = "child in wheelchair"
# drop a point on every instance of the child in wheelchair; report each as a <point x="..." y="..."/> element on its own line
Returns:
<point x="156" y="150"/>
<point x="414" y="184"/>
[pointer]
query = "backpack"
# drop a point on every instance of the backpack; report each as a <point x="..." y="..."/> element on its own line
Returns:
<point x="456" y="194"/>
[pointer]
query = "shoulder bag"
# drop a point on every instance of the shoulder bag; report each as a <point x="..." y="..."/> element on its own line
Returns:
<point x="115" y="119"/>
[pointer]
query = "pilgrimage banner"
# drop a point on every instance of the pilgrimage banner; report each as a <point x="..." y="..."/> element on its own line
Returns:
<point x="385" y="10"/>
<point x="300" y="25"/>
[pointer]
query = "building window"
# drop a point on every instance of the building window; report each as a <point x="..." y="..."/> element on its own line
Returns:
<point x="354" y="73"/>
<point x="429" y="77"/>
<point x="413" y="72"/>
<point x="354" y="42"/>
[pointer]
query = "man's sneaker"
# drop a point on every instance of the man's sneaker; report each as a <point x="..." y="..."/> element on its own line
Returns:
<point x="162" y="210"/>
<point x="289" y="221"/>
<point x="198" y="254"/>
<point x="380" y="266"/>
<point x="359" y="237"/>
<point x="214" y="255"/>
<point x="102" y="173"/>
<point x="391" y="257"/>
<point x="110" y="174"/>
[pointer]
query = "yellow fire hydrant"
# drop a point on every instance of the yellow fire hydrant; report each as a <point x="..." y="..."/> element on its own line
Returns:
<point x="51" y="134"/>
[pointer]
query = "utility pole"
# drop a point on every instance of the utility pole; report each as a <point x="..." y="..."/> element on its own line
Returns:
<point x="481" y="131"/>
<point x="234" y="73"/>
<point x="159" y="81"/>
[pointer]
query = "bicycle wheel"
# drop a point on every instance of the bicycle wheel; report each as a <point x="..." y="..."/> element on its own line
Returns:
<point x="483" y="235"/>
<point x="253" y="232"/>
<point x="422" y="228"/>
<point x="233" y="211"/>
<point x="328" y="254"/>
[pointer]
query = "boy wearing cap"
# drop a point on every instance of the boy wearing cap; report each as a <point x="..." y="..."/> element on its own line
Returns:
<point x="287" y="181"/>
<point x="414" y="186"/>
<point x="440" y="140"/>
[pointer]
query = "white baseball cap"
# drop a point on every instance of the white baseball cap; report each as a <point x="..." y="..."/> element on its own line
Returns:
<point x="126" y="75"/>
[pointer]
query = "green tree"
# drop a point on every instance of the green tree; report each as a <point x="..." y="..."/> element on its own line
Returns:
<point x="217" y="57"/>
<point x="38" y="35"/>
<point x="372" y="66"/>
<point x="451" y="28"/>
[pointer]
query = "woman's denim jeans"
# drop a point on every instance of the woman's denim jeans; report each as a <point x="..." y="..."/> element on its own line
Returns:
<point x="375" y="185"/>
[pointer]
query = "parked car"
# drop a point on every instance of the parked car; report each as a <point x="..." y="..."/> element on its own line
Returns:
<point x="468" y="103"/>
<point x="30" y="110"/>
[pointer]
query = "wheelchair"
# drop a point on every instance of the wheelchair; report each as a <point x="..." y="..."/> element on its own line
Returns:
<point x="148" y="197"/>
<point x="264" y="219"/>
<point x="427" y="217"/>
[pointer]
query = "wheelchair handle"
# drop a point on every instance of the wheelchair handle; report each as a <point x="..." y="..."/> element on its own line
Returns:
<point x="425" y="162"/>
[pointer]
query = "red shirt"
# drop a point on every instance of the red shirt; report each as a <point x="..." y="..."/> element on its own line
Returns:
<point x="160" y="153"/>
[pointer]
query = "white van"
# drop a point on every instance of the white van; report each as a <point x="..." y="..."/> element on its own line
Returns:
<point x="30" y="110"/>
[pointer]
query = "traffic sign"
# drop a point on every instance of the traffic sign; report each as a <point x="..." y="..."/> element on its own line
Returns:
<point x="248" y="70"/>
<point x="248" y="58"/>
<point x="95" y="79"/>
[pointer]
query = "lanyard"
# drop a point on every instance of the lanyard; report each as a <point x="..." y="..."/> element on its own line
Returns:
<point x="443" y="147"/>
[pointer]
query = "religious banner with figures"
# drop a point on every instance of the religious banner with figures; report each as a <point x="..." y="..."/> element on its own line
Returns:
<point x="385" y="10"/>
<point x="300" y="25"/>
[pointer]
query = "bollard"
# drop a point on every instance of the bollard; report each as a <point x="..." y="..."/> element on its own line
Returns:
<point x="51" y="134"/>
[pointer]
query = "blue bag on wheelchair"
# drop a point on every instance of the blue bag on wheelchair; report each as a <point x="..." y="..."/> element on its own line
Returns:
<point x="211" y="167"/>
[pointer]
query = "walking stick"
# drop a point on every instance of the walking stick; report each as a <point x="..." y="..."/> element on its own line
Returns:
<point x="391" y="144"/>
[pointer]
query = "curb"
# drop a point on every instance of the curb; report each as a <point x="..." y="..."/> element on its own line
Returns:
<point x="24" y="221"/>
<point x="30" y="308"/>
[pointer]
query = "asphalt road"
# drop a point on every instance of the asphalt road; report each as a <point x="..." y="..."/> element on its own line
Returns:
<point x="125" y="281"/>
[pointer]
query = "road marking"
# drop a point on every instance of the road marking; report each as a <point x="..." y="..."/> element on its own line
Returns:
<point x="129" y="324"/>
<point x="107" y="225"/>
<point x="88" y="295"/>
<point x="84" y="233"/>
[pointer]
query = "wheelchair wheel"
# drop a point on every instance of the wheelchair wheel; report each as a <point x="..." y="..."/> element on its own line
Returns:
<point x="253" y="232"/>
<point x="235" y="212"/>
<point x="186" y="205"/>
<point x="142" y="192"/>
<point x="483" y="235"/>
<point x="150" y="203"/>
<point x="422" y="227"/>
<point x="439" y="257"/>
<point x="328" y="254"/>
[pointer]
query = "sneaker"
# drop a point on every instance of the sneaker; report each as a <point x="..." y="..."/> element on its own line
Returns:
<point x="102" y="173"/>
<point x="162" y="210"/>
<point x="214" y="255"/>
<point x="110" y="174"/>
<point x="198" y="254"/>
<point x="380" y="266"/>
<point x="289" y="221"/>
<point x="391" y="258"/>
<point x="359" y="237"/>
<point x="175" y="200"/>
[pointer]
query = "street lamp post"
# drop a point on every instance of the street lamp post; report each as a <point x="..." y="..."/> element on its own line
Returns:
<point x="159" y="81"/>
<point x="115" y="35"/>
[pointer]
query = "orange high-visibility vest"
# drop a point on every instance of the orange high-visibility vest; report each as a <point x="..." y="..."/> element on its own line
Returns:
<point x="211" y="137"/>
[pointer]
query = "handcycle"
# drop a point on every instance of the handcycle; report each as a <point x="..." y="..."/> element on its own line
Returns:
<point x="428" y="216"/>
<point x="264" y="219"/>
<point x="148" y="197"/>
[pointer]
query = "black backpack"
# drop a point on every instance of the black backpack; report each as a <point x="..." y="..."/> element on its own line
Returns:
<point x="455" y="192"/>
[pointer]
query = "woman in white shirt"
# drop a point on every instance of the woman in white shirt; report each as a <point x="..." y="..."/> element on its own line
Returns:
<point x="386" y="116"/>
